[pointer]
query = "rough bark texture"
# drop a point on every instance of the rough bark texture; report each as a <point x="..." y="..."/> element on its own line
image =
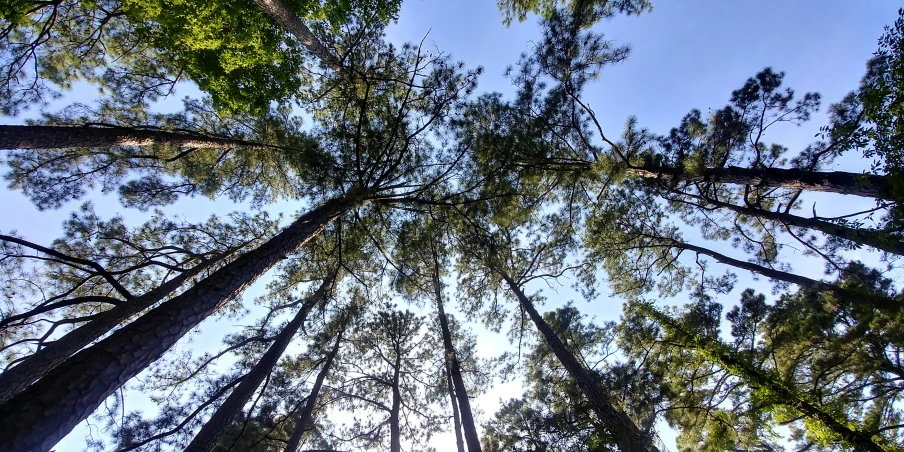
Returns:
<point x="454" y="365"/>
<point x="213" y="429"/>
<point x="293" y="24"/>
<point x="624" y="431"/>
<point x="875" y="301"/>
<point x="305" y="419"/>
<point x="872" y="238"/>
<point x="866" y="185"/>
<point x="56" y="137"/>
<point x="861" y="441"/>
<point x="40" y="416"/>
<point x="44" y="360"/>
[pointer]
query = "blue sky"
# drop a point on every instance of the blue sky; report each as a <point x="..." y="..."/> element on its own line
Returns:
<point x="685" y="54"/>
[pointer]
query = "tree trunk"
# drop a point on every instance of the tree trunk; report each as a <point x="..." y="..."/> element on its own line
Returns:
<point x="294" y="25"/>
<point x="856" y="184"/>
<point x="213" y="429"/>
<point x="875" y="239"/>
<point x="305" y="419"/>
<point x="41" y="415"/>
<point x="60" y="137"/>
<point x="875" y="301"/>
<point x="715" y="351"/>
<point x="44" y="360"/>
<point x="395" y="430"/>
<point x="624" y="431"/>
<point x="454" y="365"/>
<point x="456" y="420"/>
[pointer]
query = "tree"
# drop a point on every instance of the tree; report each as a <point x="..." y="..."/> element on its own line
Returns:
<point x="508" y="266"/>
<point x="598" y="9"/>
<point x="140" y="50"/>
<point x="421" y="259"/>
<point x="416" y="181"/>
<point x="553" y="414"/>
<point x="213" y="154"/>
<point x="773" y="372"/>
<point x="214" y="428"/>
<point x="29" y="424"/>
<point x="305" y="420"/>
<point x="391" y="354"/>
<point x="177" y="249"/>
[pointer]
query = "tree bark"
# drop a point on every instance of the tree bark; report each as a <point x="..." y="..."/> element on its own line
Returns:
<point x="213" y="429"/>
<point x="875" y="301"/>
<point x="395" y="430"/>
<point x="294" y="25"/>
<point x="44" y="360"/>
<point x="875" y="239"/>
<point x="61" y="137"/>
<point x="456" y="419"/>
<point x="624" y="431"/>
<point x="454" y="365"/>
<point x="41" y="415"/>
<point x="856" y="184"/>
<point x="305" y="420"/>
<point x="714" y="350"/>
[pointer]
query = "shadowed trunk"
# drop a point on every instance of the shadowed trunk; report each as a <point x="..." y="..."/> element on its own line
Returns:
<point x="718" y="353"/>
<point x="44" y="360"/>
<point x="305" y="421"/>
<point x="856" y="184"/>
<point x="624" y="431"/>
<point x="60" y="137"/>
<point x="875" y="301"/>
<point x="44" y="413"/>
<point x="453" y="364"/>
<point x="395" y="431"/>
<point x="456" y="419"/>
<point x="294" y="25"/>
<point x="213" y="429"/>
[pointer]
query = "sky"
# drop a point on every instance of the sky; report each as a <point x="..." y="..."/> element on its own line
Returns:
<point x="685" y="54"/>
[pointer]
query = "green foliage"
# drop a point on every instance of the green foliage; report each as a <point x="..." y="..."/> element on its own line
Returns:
<point x="596" y="9"/>
<point x="553" y="413"/>
<point x="278" y="160"/>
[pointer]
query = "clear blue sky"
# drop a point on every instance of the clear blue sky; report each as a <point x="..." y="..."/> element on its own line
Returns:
<point x="686" y="54"/>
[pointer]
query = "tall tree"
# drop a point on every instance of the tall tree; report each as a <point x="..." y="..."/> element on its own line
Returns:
<point x="180" y="250"/>
<point x="511" y="264"/>
<point x="553" y="414"/>
<point x="30" y="422"/>
<point x="770" y="385"/>
<point x="210" y="433"/>
<point x="305" y="420"/>
<point x="421" y="259"/>
<point x="391" y="353"/>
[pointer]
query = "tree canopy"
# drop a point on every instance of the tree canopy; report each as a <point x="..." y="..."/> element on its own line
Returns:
<point x="430" y="219"/>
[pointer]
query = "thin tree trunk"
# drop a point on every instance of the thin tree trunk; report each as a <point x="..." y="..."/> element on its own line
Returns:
<point x="41" y="415"/>
<point x="875" y="301"/>
<point x="294" y="25"/>
<point x="456" y="420"/>
<point x="395" y="430"/>
<point x="454" y="364"/>
<point x="717" y="352"/>
<point x="44" y="360"/>
<point x="624" y="431"/>
<point x="213" y="429"/>
<point x="856" y="184"/>
<point x="872" y="238"/>
<point x="305" y="420"/>
<point x="60" y="137"/>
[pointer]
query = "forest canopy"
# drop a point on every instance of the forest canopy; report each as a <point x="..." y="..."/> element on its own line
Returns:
<point x="391" y="244"/>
